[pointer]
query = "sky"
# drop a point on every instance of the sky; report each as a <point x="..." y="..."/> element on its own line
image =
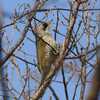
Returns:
<point x="9" y="7"/>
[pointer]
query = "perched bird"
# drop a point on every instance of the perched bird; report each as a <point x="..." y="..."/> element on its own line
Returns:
<point x="47" y="50"/>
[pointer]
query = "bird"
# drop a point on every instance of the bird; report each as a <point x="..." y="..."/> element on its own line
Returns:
<point x="47" y="49"/>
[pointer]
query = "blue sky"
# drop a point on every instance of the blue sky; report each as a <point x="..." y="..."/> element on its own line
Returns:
<point x="9" y="6"/>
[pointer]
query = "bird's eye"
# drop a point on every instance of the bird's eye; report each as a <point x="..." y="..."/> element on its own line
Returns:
<point x="45" y="25"/>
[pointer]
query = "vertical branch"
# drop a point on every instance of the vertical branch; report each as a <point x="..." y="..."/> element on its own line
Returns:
<point x="28" y="74"/>
<point x="64" y="83"/>
<point x="86" y="22"/>
<point x="83" y="76"/>
<point x="94" y="91"/>
<point x="73" y="98"/>
<point x="83" y="81"/>
<point x="55" y="35"/>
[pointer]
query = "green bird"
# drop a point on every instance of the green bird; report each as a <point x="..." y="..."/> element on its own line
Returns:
<point x="46" y="49"/>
